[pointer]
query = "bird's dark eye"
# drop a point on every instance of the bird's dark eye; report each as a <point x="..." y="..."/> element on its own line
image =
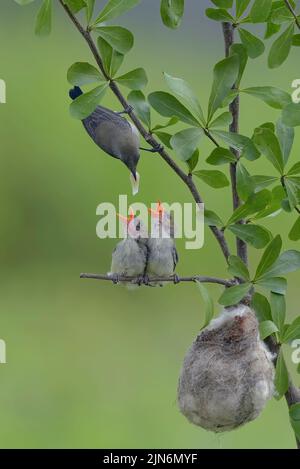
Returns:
<point x="138" y="227"/>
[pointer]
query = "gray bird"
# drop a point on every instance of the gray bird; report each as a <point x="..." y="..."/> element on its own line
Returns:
<point x="129" y="258"/>
<point x="114" y="135"/>
<point x="162" y="252"/>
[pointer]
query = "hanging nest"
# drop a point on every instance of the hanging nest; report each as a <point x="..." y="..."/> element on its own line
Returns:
<point x="228" y="373"/>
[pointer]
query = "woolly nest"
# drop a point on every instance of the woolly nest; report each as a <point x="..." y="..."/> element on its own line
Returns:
<point x="227" y="375"/>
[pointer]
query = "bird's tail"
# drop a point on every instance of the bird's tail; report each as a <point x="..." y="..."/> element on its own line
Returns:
<point x="75" y="92"/>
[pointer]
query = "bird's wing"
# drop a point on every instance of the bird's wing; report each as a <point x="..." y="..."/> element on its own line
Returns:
<point x="100" y="115"/>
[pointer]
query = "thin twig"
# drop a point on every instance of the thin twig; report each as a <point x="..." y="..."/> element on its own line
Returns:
<point x="194" y="278"/>
<point x="219" y="234"/>
<point x="289" y="6"/>
<point x="234" y="108"/>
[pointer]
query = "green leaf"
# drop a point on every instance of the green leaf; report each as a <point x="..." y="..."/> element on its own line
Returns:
<point x="270" y="255"/>
<point x="165" y="138"/>
<point x="286" y="137"/>
<point x="262" y="307"/>
<point x="44" y="19"/>
<point x="234" y="295"/>
<point x="272" y="96"/>
<point x="211" y="218"/>
<point x="296" y="40"/>
<point x="82" y="73"/>
<point x="288" y="262"/>
<point x="112" y="59"/>
<point x="212" y="178"/>
<point x="218" y="14"/>
<point x="225" y="75"/>
<point x="255" y="203"/>
<point x="120" y="39"/>
<point x="292" y="332"/>
<point x="168" y="106"/>
<point x="282" y="15"/>
<point x="278" y="309"/>
<point x="115" y="8"/>
<point x="75" y="5"/>
<point x="183" y="90"/>
<point x="84" y="105"/>
<point x="255" y="235"/>
<point x="281" y="376"/>
<point x="208" y="303"/>
<point x="223" y="3"/>
<point x="268" y="144"/>
<point x="260" y="11"/>
<point x="281" y="48"/>
<point x="294" y="413"/>
<point x="267" y="328"/>
<point x="193" y="161"/>
<point x="271" y="29"/>
<point x="141" y="107"/>
<point x="171" y="12"/>
<point x="292" y="190"/>
<point x="255" y="47"/>
<point x="295" y="169"/>
<point x="294" y="234"/>
<point x="220" y="156"/>
<point x="24" y="2"/>
<point x="134" y="80"/>
<point x="274" y="284"/>
<point x="238" y="268"/>
<point x="239" y="142"/>
<point x="241" y="7"/>
<point x="291" y="115"/>
<point x="224" y="120"/>
<point x="260" y="181"/>
<point x="186" y="142"/>
<point x="90" y="4"/>
<point x="172" y="121"/>
<point x="245" y="186"/>
<point x="241" y="51"/>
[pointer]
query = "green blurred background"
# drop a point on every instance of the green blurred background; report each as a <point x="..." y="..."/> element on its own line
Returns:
<point x="90" y="364"/>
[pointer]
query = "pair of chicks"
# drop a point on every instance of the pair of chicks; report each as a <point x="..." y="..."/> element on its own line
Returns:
<point x="143" y="257"/>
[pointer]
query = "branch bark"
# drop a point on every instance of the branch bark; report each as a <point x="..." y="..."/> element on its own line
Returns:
<point x="289" y="6"/>
<point x="175" y="279"/>
<point x="187" y="179"/>
<point x="228" y="32"/>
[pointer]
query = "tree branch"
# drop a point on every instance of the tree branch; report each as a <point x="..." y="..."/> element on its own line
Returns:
<point x="289" y="6"/>
<point x="234" y="107"/>
<point x="175" y="279"/>
<point x="219" y="234"/>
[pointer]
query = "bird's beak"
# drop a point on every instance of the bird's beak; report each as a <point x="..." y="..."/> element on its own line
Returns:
<point x="135" y="182"/>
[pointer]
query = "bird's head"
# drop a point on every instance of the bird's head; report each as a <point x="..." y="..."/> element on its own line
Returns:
<point x="75" y="92"/>
<point x="163" y="222"/>
<point x="134" y="226"/>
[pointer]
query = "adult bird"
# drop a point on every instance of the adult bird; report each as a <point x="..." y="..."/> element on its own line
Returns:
<point x="114" y="135"/>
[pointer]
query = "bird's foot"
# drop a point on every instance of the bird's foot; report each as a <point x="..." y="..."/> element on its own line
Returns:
<point x="146" y="280"/>
<point x="115" y="279"/>
<point x="140" y="280"/>
<point x="157" y="149"/>
<point x="176" y="279"/>
<point x="127" y="110"/>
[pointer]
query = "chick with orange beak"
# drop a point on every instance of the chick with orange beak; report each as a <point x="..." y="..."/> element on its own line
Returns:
<point x="162" y="252"/>
<point x="129" y="258"/>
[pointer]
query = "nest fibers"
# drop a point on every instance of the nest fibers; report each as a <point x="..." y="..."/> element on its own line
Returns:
<point x="228" y="373"/>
